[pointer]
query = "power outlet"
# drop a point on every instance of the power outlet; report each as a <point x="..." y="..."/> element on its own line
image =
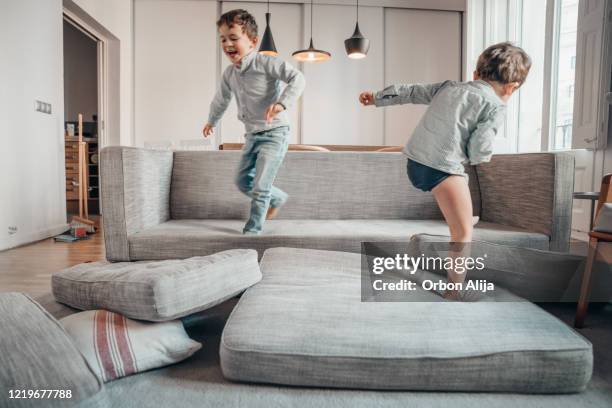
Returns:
<point x="12" y="230"/>
<point x="43" y="107"/>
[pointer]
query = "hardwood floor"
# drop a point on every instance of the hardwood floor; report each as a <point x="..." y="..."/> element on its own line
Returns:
<point x="28" y="268"/>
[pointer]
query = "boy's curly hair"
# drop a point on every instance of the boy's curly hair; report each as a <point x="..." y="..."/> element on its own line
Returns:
<point x="242" y="18"/>
<point x="504" y="63"/>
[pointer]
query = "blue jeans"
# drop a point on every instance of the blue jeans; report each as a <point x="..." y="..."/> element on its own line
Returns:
<point x="262" y="156"/>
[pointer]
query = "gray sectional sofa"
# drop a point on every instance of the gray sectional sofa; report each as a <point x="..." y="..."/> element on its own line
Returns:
<point x="305" y="324"/>
<point x="163" y="204"/>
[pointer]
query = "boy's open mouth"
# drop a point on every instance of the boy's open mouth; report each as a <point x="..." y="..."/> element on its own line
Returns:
<point x="231" y="53"/>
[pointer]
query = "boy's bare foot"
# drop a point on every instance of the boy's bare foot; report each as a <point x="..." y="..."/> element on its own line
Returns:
<point x="272" y="212"/>
<point x="451" y="294"/>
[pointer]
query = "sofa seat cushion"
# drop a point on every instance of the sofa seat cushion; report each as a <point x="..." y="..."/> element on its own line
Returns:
<point x="187" y="238"/>
<point x="158" y="291"/>
<point x="305" y="324"/>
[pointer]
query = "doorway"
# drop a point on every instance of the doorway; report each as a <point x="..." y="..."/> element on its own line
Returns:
<point x="82" y="97"/>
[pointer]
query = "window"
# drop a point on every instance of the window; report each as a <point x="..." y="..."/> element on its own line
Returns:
<point x="531" y="120"/>
<point x="540" y="115"/>
<point x="563" y="75"/>
<point x="530" y="113"/>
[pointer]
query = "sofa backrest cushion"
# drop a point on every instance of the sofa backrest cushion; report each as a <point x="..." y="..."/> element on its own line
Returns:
<point x="531" y="191"/>
<point x="321" y="185"/>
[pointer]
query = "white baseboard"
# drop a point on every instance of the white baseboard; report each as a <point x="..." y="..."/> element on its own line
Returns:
<point x="27" y="238"/>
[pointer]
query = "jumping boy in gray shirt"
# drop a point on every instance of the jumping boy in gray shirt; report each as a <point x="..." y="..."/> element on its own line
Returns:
<point x="459" y="127"/>
<point x="254" y="80"/>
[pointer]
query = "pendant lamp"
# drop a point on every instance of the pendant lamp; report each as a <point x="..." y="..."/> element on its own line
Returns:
<point x="267" y="46"/>
<point x="311" y="54"/>
<point x="357" y="46"/>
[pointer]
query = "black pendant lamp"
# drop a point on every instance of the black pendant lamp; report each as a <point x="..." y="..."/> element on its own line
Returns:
<point x="267" y="46"/>
<point x="357" y="46"/>
<point x="311" y="54"/>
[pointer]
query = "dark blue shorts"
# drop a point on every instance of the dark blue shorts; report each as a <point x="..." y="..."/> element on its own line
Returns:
<point x="424" y="177"/>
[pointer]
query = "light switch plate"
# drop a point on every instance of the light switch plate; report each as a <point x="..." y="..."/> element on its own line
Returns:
<point x="43" y="107"/>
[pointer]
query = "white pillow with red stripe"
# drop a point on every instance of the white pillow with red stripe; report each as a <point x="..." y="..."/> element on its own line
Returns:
<point x="115" y="346"/>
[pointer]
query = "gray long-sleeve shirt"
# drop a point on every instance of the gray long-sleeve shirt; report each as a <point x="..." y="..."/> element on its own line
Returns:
<point x="458" y="127"/>
<point x="256" y="86"/>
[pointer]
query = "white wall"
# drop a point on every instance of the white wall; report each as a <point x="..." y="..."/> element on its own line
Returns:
<point x="178" y="64"/>
<point x="32" y="189"/>
<point x="175" y="66"/>
<point x="332" y="113"/>
<point x="117" y="17"/>
<point x="424" y="46"/>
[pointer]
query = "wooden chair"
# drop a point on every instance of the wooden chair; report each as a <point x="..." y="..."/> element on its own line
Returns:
<point x="595" y="237"/>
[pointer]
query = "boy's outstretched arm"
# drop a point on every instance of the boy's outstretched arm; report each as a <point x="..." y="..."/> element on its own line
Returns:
<point x="480" y="145"/>
<point x="219" y="104"/>
<point x="408" y="93"/>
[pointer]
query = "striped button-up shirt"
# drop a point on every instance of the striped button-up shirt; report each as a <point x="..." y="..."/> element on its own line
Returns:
<point x="256" y="84"/>
<point x="458" y="127"/>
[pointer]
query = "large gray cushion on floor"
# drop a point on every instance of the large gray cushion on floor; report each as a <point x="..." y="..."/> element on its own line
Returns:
<point x="305" y="324"/>
<point x="158" y="291"/>
<point x="37" y="354"/>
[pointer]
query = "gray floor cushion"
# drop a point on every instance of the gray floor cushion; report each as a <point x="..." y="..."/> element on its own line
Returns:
<point x="304" y="324"/>
<point x="158" y="291"/>
<point x="37" y="354"/>
<point x="186" y="238"/>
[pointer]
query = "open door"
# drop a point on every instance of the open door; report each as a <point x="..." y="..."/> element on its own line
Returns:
<point x="82" y="84"/>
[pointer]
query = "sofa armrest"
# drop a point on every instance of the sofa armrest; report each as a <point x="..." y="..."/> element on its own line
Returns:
<point x="530" y="191"/>
<point x="135" y="194"/>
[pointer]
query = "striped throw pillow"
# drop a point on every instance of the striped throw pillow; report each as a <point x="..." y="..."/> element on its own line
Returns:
<point x="115" y="346"/>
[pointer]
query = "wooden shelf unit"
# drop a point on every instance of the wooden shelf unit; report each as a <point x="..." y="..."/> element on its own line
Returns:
<point x="72" y="174"/>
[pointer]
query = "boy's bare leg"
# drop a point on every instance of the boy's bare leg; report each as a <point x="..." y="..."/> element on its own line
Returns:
<point x="455" y="202"/>
<point x="453" y="197"/>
